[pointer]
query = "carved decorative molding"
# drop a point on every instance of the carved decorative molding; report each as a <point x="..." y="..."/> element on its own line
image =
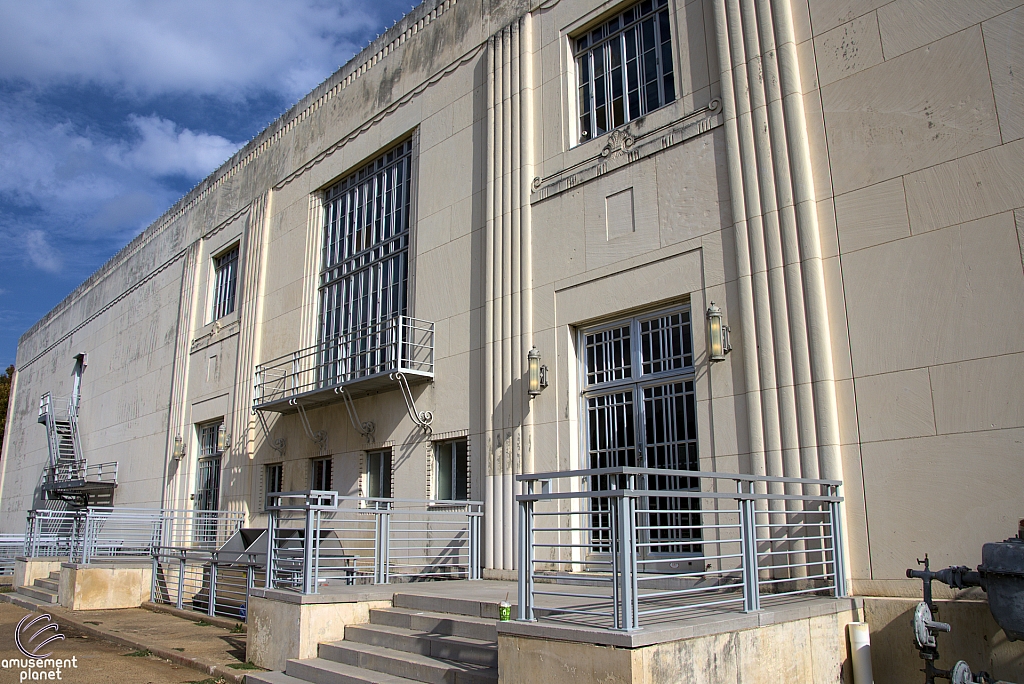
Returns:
<point x="623" y="147"/>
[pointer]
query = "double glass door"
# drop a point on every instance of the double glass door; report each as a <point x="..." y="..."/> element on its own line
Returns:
<point x="640" y="410"/>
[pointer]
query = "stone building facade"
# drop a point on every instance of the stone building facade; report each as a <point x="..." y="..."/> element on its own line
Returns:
<point x="584" y="178"/>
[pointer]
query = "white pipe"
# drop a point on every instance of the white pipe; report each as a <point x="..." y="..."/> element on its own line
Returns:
<point x="860" y="652"/>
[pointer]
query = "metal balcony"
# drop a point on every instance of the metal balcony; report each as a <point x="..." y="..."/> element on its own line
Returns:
<point x="362" y="362"/>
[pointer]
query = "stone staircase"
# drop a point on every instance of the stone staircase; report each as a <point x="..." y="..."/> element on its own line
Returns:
<point x="44" y="590"/>
<point x="420" y="639"/>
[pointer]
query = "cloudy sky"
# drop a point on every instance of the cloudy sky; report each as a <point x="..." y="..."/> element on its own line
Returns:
<point x="111" y="110"/>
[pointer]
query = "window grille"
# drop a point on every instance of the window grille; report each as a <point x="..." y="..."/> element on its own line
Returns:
<point x="365" y="261"/>
<point x="208" y="439"/>
<point x="225" y="268"/>
<point x="624" y="68"/>
<point x="640" y="410"/>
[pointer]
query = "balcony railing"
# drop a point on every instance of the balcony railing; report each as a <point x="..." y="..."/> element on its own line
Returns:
<point x="605" y="548"/>
<point x="360" y="361"/>
<point x="358" y="540"/>
<point x="81" y="475"/>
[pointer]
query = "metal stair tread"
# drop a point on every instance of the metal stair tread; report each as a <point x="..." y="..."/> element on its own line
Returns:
<point x="353" y="673"/>
<point x="415" y="658"/>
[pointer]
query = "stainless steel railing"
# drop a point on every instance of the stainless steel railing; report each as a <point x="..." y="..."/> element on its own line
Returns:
<point x="109" y="533"/>
<point x="617" y="548"/>
<point x="399" y="344"/>
<point x="11" y="546"/>
<point x="211" y="582"/>
<point x="105" y="473"/>
<point x="361" y="540"/>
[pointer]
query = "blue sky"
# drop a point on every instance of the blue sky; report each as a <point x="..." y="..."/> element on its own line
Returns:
<point x="110" y="110"/>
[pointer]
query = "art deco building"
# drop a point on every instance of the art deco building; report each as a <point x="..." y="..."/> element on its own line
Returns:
<point x="353" y="301"/>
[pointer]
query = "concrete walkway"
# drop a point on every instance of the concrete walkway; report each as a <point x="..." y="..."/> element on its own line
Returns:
<point x="187" y="639"/>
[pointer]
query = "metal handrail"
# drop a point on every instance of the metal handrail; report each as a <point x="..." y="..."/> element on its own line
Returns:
<point x="319" y="536"/>
<point x="102" y="473"/>
<point x="104" y="532"/>
<point x="399" y="344"/>
<point x="716" y="542"/>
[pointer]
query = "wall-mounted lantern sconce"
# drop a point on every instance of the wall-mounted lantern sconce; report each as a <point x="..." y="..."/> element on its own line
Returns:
<point x="179" y="448"/>
<point x="538" y="373"/>
<point x="718" y="335"/>
<point x="223" y="438"/>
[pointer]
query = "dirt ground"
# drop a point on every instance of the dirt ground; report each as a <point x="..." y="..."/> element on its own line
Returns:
<point x="99" y="662"/>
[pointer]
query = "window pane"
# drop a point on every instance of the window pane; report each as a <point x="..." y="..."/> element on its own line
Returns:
<point x="444" y="471"/>
<point x="607" y="355"/>
<point x="625" y="67"/>
<point x="665" y="343"/>
<point x="225" y="277"/>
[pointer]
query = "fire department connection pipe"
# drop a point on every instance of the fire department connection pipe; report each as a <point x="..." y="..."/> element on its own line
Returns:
<point x="860" y="652"/>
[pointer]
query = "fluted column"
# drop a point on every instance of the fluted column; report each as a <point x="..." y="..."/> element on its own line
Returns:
<point x="782" y="312"/>
<point x="508" y="324"/>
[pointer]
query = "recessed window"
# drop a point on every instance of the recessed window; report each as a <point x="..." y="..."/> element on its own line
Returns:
<point x="624" y="68"/>
<point x="640" y="409"/>
<point x="274" y="475"/>
<point x="364" y="267"/>
<point x="378" y="474"/>
<point x="322" y="475"/>
<point x="451" y="470"/>
<point x="225" y="271"/>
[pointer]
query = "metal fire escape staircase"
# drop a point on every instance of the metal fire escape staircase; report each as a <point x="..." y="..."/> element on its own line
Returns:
<point x="69" y="477"/>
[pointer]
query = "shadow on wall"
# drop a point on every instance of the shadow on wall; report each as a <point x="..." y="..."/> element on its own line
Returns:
<point x="975" y="638"/>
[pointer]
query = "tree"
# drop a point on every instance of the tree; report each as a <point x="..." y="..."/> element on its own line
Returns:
<point x="5" y="395"/>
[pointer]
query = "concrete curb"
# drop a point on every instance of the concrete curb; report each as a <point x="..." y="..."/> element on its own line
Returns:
<point x="225" y="623"/>
<point x="176" y="657"/>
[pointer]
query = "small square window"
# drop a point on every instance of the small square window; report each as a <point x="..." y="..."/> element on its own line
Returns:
<point x="451" y="471"/>
<point x="225" y="270"/>
<point x="322" y="475"/>
<point x="378" y="474"/>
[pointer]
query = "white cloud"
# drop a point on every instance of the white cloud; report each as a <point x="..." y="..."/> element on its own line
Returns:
<point x="221" y="48"/>
<point x="166" y="150"/>
<point x="40" y="252"/>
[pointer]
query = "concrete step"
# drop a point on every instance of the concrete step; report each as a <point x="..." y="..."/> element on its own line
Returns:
<point x="272" y="678"/>
<point x="457" y="606"/>
<point x="446" y="647"/>
<point x="412" y="666"/>
<point x="38" y="594"/>
<point x="55" y="575"/>
<point x="48" y="584"/>
<point x="323" y="671"/>
<point x="483" y="629"/>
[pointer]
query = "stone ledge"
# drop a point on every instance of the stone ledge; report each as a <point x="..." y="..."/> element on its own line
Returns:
<point x="341" y="594"/>
<point x="687" y="628"/>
